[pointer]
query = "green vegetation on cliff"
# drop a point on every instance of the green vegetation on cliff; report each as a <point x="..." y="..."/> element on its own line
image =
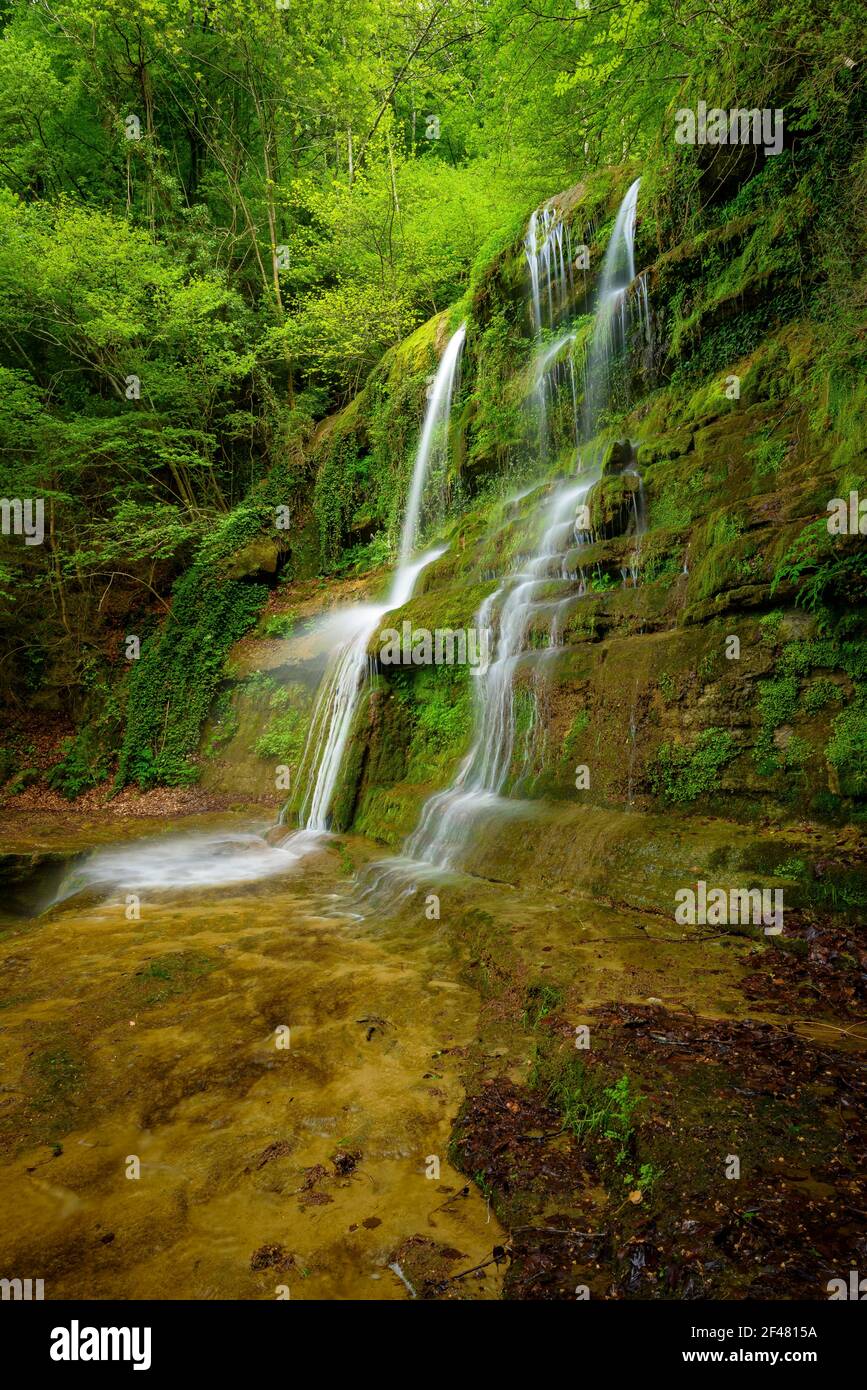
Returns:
<point x="216" y="311"/>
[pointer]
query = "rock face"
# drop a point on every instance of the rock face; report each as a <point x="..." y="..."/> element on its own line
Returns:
<point x="259" y="559"/>
<point x="686" y="671"/>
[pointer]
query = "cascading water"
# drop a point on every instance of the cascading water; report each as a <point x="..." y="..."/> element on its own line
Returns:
<point x="340" y="691"/>
<point x="431" y="453"/>
<point x="611" y="320"/>
<point x="548" y="254"/>
<point x="338" y="699"/>
<point x="483" y="777"/>
<point x="548" y="251"/>
<point x="209" y="859"/>
<point x="484" y="772"/>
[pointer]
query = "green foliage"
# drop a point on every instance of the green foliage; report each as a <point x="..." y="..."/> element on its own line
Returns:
<point x="587" y="1105"/>
<point x="825" y="570"/>
<point x="279" y="625"/>
<point x="791" y="868"/>
<point x="541" y="1000"/>
<point x="646" y="1179"/>
<point x="847" y="746"/>
<point x="666" y="686"/>
<point x="574" y="732"/>
<point x="778" y="700"/>
<point x="172" y="685"/>
<point x="83" y="764"/>
<point x="820" y="694"/>
<point x="602" y="583"/>
<point x="284" y="738"/>
<point x="682" y="772"/>
<point x="767" y="452"/>
<point x="87" y="759"/>
<point x="723" y="530"/>
<point x="341" y="485"/>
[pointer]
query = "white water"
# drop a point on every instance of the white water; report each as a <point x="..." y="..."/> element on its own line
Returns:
<point x="612" y="310"/>
<point x="200" y="860"/>
<point x="341" y="688"/>
<point x="432" y="446"/>
<point x="338" y="698"/>
<point x="480" y="787"/>
<point x="210" y="859"/>
<point x="548" y="251"/>
<point x="442" y="830"/>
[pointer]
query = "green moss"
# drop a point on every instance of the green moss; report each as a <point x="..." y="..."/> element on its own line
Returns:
<point x="166" y="977"/>
<point x="769" y="626"/>
<point x="847" y="747"/>
<point x="673" y="501"/>
<point x="573" y="735"/>
<point x="681" y="773"/>
<point x="225" y="725"/>
<point x="438" y="701"/>
<point x="778" y="700"/>
<point x="820" y="694"/>
<point x="58" y="1073"/>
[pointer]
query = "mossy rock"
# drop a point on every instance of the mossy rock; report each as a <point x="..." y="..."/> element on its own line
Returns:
<point x="259" y="558"/>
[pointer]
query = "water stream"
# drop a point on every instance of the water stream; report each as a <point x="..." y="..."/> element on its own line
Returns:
<point x="486" y="777"/>
<point x="481" y="785"/>
<point x="218" y="857"/>
<point x="341" y="689"/>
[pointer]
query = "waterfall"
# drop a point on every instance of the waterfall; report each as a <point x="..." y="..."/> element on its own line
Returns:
<point x="223" y="857"/>
<point x="483" y="774"/>
<point x="340" y="690"/>
<point x="611" y="320"/>
<point x="481" y="782"/>
<point x="432" y="447"/>
<point x="548" y="252"/>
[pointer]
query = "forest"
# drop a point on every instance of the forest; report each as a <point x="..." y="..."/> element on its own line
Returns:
<point x="433" y="663"/>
